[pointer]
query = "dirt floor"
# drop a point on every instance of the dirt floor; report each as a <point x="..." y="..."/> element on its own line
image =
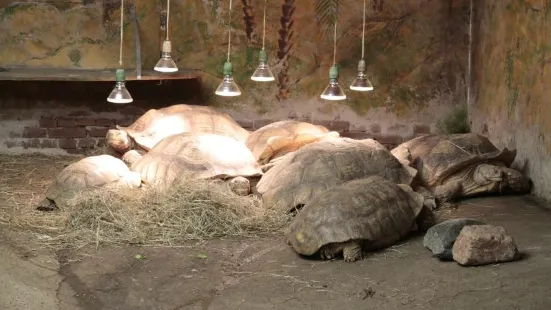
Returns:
<point x="262" y="273"/>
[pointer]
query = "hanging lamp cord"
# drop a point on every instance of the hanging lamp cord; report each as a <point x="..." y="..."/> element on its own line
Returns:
<point x="167" y="17"/>
<point x="122" y="32"/>
<point x="229" y="30"/>
<point x="335" y="38"/>
<point x="363" y="34"/>
<point x="264" y="27"/>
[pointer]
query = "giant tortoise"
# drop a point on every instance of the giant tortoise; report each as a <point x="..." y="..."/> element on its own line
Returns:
<point x="86" y="174"/>
<point x="155" y="125"/>
<point x="356" y="216"/>
<point x="462" y="165"/>
<point x="319" y="166"/>
<point x="280" y="138"/>
<point x="197" y="155"/>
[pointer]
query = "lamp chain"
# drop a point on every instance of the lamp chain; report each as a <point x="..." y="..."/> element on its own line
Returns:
<point x="264" y="27"/>
<point x="363" y="33"/>
<point x="167" y="17"/>
<point x="122" y="32"/>
<point x="229" y="30"/>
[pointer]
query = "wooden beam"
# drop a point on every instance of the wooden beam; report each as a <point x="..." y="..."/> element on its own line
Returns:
<point x="87" y="75"/>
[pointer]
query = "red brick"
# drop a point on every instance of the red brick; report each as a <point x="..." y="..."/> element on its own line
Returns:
<point x="245" y="123"/>
<point x="11" y="143"/>
<point x="103" y="122"/>
<point x="46" y="122"/>
<point x="80" y="113"/>
<point x="68" y="143"/>
<point x="375" y="128"/>
<point x="125" y="122"/>
<point x="419" y="129"/>
<point x="388" y="139"/>
<point x="85" y="121"/>
<point x="97" y="131"/>
<point x="102" y="142"/>
<point x="132" y="110"/>
<point x="86" y="143"/>
<point x="49" y="143"/>
<point x="34" y="132"/>
<point x="359" y="135"/>
<point x="66" y="122"/>
<point x="75" y="151"/>
<point x="259" y="123"/>
<point x="14" y="134"/>
<point x="340" y="126"/>
<point x="75" y="132"/>
<point x="31" y="143"/>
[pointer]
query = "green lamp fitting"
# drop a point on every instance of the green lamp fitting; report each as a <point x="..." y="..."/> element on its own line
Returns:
<point x="361" y="66"/>
<point x="120" y="75"/>
<point x="228" y="68"/>
<point x="263" y="56"/>
<point x="333" y="72"/>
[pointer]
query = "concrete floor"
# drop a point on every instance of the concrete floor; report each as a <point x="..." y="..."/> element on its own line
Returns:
<point x="266" y="274"/>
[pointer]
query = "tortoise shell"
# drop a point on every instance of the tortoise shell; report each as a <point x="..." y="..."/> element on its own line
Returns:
<point x="437" y="157"/>
<point x="280" y="138"/>
<point x="156" y="125"/>
<point x="374" y="210"/>
<point x="90" y="172"/>
<point x="200" y="155"/>
<point x="319" y="166"/>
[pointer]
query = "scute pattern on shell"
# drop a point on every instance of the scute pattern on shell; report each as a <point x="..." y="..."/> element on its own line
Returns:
<point x="436" y="157"/>
<point x="373" y="209"/>
<point x="157" y="124"/>
<point x="257" y="141"/>
<point x="87" y="173"/>
<point x="319" y="166"/>
<point x="199" y="155"/>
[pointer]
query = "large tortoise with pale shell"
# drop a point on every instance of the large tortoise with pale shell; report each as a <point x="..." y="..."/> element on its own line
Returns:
<point x="88" y="173"/>
<point x="198" y="155"/>
<point x="157" y="124"/>
<point x="280" y="138"/>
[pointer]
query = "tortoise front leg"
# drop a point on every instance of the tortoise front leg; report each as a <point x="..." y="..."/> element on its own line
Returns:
<point x="352" y="251"/>
<point x="448" y="191"/>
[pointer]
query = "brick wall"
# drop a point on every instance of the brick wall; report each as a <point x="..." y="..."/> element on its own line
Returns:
<point x="58" y="117"/>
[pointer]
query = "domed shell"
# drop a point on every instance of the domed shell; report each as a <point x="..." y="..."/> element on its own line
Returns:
<point x="319" y="166"/>
<point x="279" y="138"/>
<point x="373" y="209"/>
<point x="436" y="157"/>
<point x="155" y="125"/>
<point x="90" y="172"/>
<point x="200" y="155"/>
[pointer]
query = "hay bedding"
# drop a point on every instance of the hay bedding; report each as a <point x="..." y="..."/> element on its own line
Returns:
<point x="194" y="210"/>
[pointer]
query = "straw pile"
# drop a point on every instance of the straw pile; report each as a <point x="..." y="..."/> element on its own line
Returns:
<point x="193" y="210"/>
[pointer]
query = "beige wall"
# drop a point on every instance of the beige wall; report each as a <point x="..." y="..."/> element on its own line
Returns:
<point x="415" y="51"/>
<point x="512" y="78"/>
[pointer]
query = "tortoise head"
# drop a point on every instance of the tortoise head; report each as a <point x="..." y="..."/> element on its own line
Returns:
<point x="118" y="140"/>
<point x="508" y="180"/>
<point x="304" y="240"/>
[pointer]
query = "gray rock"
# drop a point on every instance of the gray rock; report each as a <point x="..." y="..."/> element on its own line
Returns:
<point x="484" y="244"/>
<point x="441" y="237"/>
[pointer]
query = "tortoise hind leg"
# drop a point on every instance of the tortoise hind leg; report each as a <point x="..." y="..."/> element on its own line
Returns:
<point x="47" y="205"/>
<point x="351" y="251"/>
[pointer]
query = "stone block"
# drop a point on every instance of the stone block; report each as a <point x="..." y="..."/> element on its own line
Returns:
<point x="484" y="244"/>
<point x="440" y="238"/>
<point x="75" y="132"/>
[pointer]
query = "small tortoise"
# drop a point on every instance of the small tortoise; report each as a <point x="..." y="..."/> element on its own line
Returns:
<point x="155" y="125"/>
<point x="462" y="165"/>
<point x="357" y="216"/>
<point x="197" y="155"/>
<point x="283" y="137"/>
<point x="85" y="174"/>
<point x="319" y="166"/>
